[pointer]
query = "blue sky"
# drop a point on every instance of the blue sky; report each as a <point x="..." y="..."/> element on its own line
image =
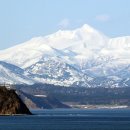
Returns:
<point x="20" y="20"/>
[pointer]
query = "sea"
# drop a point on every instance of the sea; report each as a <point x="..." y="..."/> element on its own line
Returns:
<point x="69" y="119"/>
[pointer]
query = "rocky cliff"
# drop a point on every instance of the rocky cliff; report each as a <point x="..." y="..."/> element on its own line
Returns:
<point x="10" y="103"/>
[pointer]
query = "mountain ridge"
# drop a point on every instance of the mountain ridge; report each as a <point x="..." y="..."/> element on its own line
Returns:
<point x="83" y="55"/>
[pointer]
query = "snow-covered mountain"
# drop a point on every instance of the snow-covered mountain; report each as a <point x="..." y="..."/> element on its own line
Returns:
<point x="80" y="57"/>
<point x="31" y="51"/>
<point x="12" y="74"/>
<point x="56" y="71"/>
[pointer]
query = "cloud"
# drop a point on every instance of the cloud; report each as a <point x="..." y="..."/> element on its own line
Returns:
<point x="64" y="23"/>
<point x="103" y="17"/>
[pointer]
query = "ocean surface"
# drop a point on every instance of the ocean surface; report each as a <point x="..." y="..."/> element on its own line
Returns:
<point x="71" y="119"/>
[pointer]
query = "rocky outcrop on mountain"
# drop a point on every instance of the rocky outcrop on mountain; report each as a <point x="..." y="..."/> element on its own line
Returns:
<point x="10" y="103"/>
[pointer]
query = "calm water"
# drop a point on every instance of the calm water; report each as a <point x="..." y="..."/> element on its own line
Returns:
<point x="118" y="119"/>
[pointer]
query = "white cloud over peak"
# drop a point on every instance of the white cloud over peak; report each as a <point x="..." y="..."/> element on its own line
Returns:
<point x="64" y="23"/>
<point x="103" y="17"/>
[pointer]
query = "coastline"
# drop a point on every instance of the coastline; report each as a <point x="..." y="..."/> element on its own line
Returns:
<point x="100" y="106"/>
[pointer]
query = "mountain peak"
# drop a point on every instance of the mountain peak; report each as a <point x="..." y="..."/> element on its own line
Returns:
<point x="87" y="28"/>
<point x="84" y="28"/>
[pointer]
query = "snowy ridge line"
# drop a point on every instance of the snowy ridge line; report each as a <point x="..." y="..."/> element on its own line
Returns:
<point x="81" y="57"/>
